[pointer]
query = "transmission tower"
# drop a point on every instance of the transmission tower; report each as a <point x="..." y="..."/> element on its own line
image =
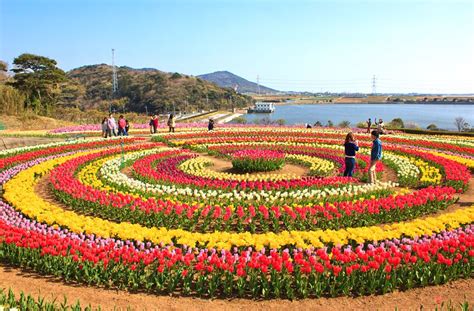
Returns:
<point x="114" y="75"/>
<point x="374" y="88"/>
<point x="258" y="84"/>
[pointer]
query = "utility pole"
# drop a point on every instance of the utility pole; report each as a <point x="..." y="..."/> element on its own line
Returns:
<point x="374" y="88"/>
<point x="114" y="74"/>
<point x="114" y="80"/>
<point x="258" y="84"/>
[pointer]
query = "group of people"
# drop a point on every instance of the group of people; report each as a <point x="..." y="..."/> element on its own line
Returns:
<point x="379" y="126"/>
<point x="350" y="149"/>
<point x="112" y="127"/>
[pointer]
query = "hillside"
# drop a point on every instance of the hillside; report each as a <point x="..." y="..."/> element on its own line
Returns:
<point x="90" y="87"/>
<point x="228" y="79"/>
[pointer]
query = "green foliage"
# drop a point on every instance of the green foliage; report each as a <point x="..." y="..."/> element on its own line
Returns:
<point x="12" y="100"/>
<point x="330" y="124"/>
<point x="247" y="165"/>
<point x="432" y="127"/>
<point x="38" y="78"/>
<point x="397" y="123"/>
<point x="281" y="122"/>
<point x="318" y="124"/>
<point x="27" y="302"/>
<point x="344" y="123"/>
<point x="362" y="125"/>
<point x="240" y="120"/>
<point x="175" y="76"/>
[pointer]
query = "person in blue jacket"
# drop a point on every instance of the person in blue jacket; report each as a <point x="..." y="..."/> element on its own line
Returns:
<point x="375" y="155"/>
<point x="350" y="149"/>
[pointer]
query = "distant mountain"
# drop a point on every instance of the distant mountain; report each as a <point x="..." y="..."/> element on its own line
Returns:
<point x="228" y="79"/>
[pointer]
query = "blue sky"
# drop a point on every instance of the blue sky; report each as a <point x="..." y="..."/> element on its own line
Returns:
<point x="423" y="46"/>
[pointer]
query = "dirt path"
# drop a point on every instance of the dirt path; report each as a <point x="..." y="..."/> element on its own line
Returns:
<point x="50" y="288"/>
<point x="14" y="142"/>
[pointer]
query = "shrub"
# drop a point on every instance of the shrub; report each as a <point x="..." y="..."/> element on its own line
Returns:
<point x="397" y="123"/>
<point x="432" y="127"/>
<point x="248" y="161"/>
<point x="345" y="123"/>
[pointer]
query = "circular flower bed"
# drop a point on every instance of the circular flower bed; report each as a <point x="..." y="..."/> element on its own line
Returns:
<point x="167" y="217"/>
<point x="256" y="160"/>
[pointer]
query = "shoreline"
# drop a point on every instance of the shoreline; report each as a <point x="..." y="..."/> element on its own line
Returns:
<point x="376" y="103"/>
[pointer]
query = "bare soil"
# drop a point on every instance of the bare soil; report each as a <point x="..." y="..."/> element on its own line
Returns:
<point x="14" y="142"/>
<point x="225" y="166"/>
<point x="49" y="287"/>
<point x="32" y="122"/>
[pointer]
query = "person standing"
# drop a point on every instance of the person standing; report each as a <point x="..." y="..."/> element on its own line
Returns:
<point x="375" y="156"/>
<point x="350" y="149"/>
<point x="155" y="123"/>
<point x="210" y="125"/>
<point x="380" y="127"/>
<point x="151" y="124"/>
<point x="104" y="127"/>
<point x="369" y="125"/>
<point x="121" y="126"/>
<point x="111" y="125"/>
<point x="171" y="123"/>
<point x="127" y="127"/>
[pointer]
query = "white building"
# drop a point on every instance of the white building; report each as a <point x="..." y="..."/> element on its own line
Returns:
<point x="263" y="107"/>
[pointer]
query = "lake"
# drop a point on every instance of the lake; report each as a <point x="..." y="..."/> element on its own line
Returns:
<point x="442" y="115"/>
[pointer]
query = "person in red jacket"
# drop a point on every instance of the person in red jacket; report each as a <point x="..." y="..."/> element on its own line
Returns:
<point x="121" y="126"/>
<point x="154" y="123"/>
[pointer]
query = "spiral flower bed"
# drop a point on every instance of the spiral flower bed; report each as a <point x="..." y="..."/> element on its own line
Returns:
<point x="172" y="216"/>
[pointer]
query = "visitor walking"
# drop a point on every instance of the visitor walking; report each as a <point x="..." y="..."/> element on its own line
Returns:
<point x="111" y="126"/>
<point x="171" y="123"/>
<point x="350" y="149"/>
<point x="104" y="127"/>
<point x="375" y="156"/>
<point x="369" y="125"/>
<point x="121" y="126"/>
<point x="210" y="125"/>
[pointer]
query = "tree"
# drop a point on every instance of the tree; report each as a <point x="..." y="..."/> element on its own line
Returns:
<point x="39" y="79"/>
<point x="432" y="127"/>
<point x="398" y="123"/>
<point x="281" y="122"/>
<point x="461" y="124"/>
<point x="318" y="124"/>
<point x="12" y="100"/>
<point x="3" y="70"/>
<point x="330" y="124"/>
<point x="345" y="123"/>
<point x="240" y="120"/>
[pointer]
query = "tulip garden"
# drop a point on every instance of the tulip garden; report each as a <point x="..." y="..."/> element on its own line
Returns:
<point x="252" y="212"/>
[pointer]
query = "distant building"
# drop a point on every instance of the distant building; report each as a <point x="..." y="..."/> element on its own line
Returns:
<point x="265" y="107"/>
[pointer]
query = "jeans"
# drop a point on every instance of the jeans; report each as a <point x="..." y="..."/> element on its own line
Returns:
<point x="122" y="132"/>
<point x="350" y="165"/>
